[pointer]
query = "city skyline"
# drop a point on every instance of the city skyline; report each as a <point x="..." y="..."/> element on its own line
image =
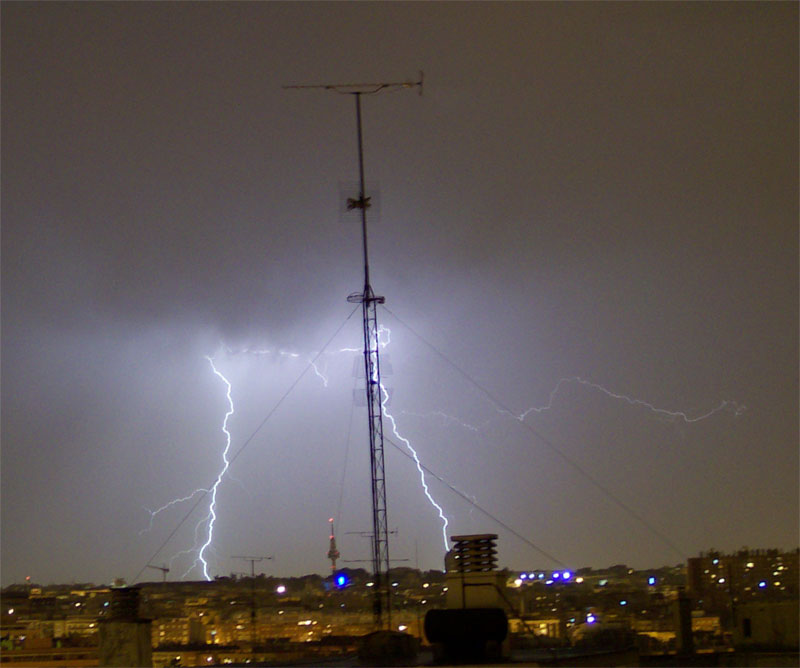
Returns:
<point x="585" y="230"/>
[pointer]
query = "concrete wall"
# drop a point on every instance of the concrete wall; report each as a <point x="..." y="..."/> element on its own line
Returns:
<point x="768" y="625"/>
<point x="475" y="590"/>
<point x="124" y="643"/>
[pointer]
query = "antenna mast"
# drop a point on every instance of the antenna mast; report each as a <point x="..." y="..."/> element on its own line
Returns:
<point x="164" y="570"/>
<point x="253" y="631"/>
<point x="369" y="303"/>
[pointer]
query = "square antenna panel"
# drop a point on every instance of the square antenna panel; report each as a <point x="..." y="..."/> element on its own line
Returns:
<point x="350" y="207"/>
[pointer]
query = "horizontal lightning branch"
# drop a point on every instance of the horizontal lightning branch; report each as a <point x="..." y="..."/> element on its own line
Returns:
<point x="730" y="406"/>
<point x="174" y="502"/>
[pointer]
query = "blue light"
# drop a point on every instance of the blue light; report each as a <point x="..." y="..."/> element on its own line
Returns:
<point x="541" y="576"/>
<point x="566" y="575"/>
<point x="341" y="580"/>
<point x="762" y="584"/>
<point x="651" y="580"/>
<point x="556" y="575"/>
<point x="590" y="619"/>
<point x="623" y="603"/>
<point x="523" y="576"/>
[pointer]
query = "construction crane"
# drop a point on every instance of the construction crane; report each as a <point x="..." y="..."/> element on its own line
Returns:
<point x="372" y="368"/>
<point x="164" y="570"/>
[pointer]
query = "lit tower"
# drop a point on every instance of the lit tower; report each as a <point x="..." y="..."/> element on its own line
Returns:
<point x="372" y="368"/>
<point x="333" y="553"/>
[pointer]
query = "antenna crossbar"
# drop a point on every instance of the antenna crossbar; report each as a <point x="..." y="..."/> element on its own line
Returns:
<point x="359" y="88"/>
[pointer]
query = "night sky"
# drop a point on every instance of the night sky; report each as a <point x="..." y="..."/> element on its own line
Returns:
<point x="605" y="192"/>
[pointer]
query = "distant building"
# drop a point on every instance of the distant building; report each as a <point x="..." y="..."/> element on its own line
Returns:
<point x="83" y="626"/>
<point x="177" y="631"/>
<point x="719" y="582"/>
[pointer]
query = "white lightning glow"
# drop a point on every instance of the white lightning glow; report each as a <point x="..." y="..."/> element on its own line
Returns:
<point x="212" y="508"/>
<point x="387" y="336"/>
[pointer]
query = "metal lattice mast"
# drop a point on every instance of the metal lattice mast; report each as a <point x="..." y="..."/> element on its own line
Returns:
<point x="372" y="367"/>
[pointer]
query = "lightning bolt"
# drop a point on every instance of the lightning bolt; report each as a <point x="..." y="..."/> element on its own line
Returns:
<point x="192" y="550"/>
<point x="447" y="419"/>
<point x="212" y="507"/>
<point x="207" y="524"/>
<point x="319" y="373"/>
<point x="417" y="461"/>
<point x="154" y="513"/>
<point x="732" y="406"/>
<point x="384" y="338"/>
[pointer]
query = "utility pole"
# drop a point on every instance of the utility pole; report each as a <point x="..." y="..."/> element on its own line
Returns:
<point x="253" y="561"/>
<point x="369" y="303"/>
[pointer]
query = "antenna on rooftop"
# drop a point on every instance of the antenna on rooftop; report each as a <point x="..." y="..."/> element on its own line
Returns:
<point x="369" y="303"/>
<point x="253" y="561"/>
<point x="164" y="570"/>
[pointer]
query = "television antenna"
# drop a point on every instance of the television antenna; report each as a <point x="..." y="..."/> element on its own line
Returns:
<point x="253" y="561"/>
<point x="164" y="570"/>
<point x="369" y="303"/>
